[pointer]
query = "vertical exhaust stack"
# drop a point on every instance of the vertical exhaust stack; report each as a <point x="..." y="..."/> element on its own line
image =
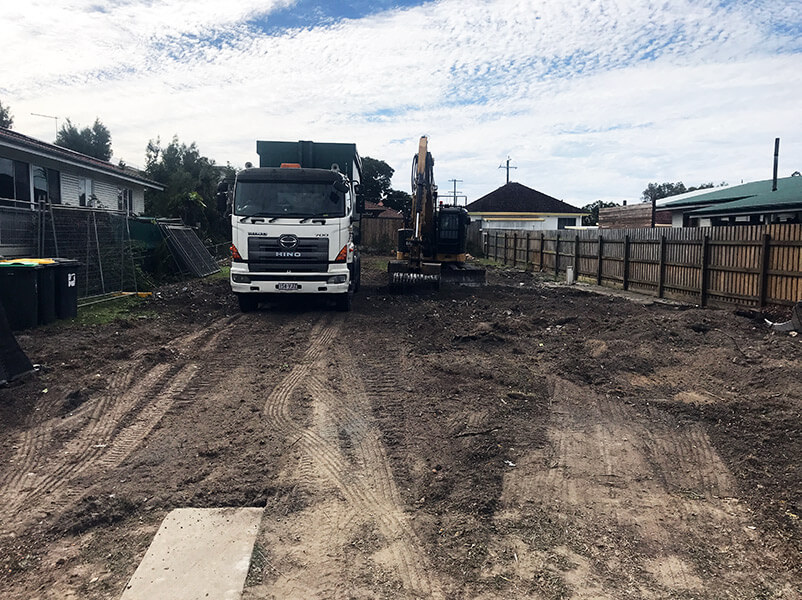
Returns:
<point x="776" y="161"/>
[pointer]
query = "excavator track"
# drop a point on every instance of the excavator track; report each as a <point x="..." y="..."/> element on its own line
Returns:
<point x="405" y="283"/>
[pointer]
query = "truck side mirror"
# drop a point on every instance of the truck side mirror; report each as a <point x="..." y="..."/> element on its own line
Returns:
<point x="360" y="204"/>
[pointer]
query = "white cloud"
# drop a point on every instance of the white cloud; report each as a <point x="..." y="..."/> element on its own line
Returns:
<point x="590" y="99"/>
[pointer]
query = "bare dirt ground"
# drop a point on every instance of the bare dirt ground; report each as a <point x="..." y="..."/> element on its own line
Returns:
<point x="521" y="440"/>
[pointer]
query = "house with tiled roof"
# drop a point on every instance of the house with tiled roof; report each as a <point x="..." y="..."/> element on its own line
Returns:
<point x="754" y="203"/>
<point x="33" y="171"/>
<point x="378" y="210"/>
<point x="517" y="207"/>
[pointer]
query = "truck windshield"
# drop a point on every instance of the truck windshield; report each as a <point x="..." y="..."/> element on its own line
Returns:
<point x="283" y="199"/>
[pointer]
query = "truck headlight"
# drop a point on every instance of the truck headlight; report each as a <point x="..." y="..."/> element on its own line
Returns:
<point x="338" y="279"/>
<point x="237" y="278"/>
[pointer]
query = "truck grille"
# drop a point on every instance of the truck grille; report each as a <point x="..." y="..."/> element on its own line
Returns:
<point x="266" y="254"/>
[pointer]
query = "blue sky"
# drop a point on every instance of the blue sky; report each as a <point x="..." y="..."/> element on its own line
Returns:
<point x="591" y="99"/>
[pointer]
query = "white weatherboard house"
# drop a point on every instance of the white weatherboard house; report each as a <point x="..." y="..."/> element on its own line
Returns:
<point x="32" y="171"/>
<point x="516" y="207"/>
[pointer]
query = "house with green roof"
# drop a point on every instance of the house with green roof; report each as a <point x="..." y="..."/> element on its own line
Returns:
<point x="754" y="203"/>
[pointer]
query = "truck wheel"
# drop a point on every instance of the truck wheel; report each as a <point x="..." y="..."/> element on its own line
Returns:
<point x="248" y="302"/>
<point x="344" y="301"/>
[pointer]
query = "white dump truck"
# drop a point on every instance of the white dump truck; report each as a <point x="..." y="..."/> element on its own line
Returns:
<point x="294" y="223"/>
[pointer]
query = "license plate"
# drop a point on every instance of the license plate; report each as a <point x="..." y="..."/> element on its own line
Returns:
<point x="288" y="286"/>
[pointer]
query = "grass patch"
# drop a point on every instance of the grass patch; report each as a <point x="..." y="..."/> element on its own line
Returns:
<point x="108" y="311"/>
<point x="374" y="262"/>
<point x="223" y="273"/>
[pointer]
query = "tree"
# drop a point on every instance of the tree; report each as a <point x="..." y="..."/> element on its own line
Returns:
<point x="399" y="200"/>
<point x="593" y="208"/>
<point x="6" y="120"/>
<point x="702" y="186"/>
<point x="656" y="191"/>
<point x="93" y="141"/>
<point x="190" y="186"/>
<point x="376" y="179"/>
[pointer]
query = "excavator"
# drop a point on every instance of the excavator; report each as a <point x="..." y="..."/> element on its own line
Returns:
<point x="433" y="250"/>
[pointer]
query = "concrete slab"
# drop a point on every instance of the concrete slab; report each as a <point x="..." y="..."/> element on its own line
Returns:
<point x="197" y="554"/>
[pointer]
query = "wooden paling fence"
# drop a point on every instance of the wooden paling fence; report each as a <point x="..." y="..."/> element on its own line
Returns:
<point x="380" y="233"/>
<point x="752" y="266"/>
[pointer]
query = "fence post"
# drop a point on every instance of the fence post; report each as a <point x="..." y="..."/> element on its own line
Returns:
<point x="661" y="282"/>
<point x="514" y="249"/>
<point x="495" y="246"/>
<point x="765" y="262"/>
<point x="486" y="244"/>
<point x="599" y="261"/>
<point x="542" y="243"/>
<point x="557" y="256"/>
<point x="705" y="269"/>
<point x="505" y="248"/>
<point x="576" y="256"/>
<point x="528" y="248"/>
<point x="626" y="262"/>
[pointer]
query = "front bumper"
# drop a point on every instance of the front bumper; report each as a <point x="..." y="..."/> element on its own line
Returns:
<point x="336" y="281"/>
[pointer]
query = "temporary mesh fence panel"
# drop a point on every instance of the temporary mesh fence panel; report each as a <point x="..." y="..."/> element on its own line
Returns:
<point x="18" y="231"/>
<point x="189" y="251"/>
<point x="100" y="240"/>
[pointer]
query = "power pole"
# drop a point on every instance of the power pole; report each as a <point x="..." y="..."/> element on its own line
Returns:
<point x="455" y="188"/>
<point x="508" y="167"/>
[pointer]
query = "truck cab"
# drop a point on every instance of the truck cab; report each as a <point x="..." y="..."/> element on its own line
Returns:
<point x="294" y="227"/>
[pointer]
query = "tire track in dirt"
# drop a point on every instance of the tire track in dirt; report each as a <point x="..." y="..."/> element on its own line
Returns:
<point x="136" y="390"/>
<point x="659" y="486"/>
<point x="37" y="437"/>
<point x="362" y="475"/>
<point x="348" y="413"/>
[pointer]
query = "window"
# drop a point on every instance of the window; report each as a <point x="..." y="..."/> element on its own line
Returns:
<point x="54" y="186"/>
<point x="125" y="199"/>
<point x="449" y="226"/>
<point x="564" y="222"/>
<point x="46" y="185"/>
<point x="85" y="195"/>
<point x="14" y="180"/>
<point x="22" y="181"/>
<point x="6" y="179"/>
<point x="291" y="199"/>
<point x="39" y="183"/>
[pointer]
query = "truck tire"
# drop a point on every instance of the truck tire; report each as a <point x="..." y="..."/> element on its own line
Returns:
<point x="344" y="301"/>
<point x="248" y="302"/>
